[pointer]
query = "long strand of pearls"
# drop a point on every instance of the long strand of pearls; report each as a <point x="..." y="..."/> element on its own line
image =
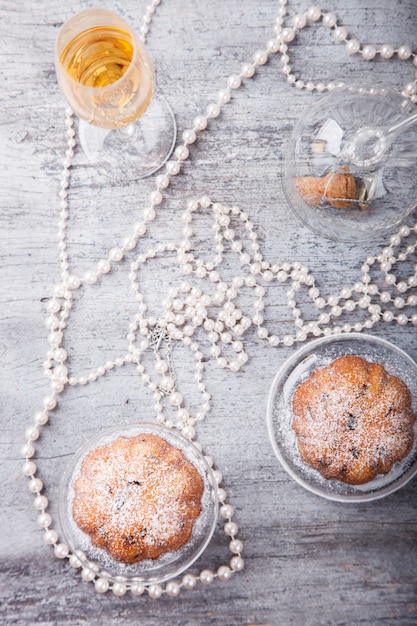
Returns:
<point x="188" y="307"/>
<point x="59" y="307"/>
<point x="314" y="15"/>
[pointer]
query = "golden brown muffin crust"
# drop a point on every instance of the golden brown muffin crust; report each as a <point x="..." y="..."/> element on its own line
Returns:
<point x="353" y="420"/>
<point x="137" y="497"/>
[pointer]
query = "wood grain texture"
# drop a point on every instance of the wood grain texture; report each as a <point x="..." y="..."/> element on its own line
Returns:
<point x="309" y="562"/>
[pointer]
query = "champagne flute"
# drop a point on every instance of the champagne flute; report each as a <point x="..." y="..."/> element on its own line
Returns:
<point x="350" y="169"/>
<point x="107" y="78"/>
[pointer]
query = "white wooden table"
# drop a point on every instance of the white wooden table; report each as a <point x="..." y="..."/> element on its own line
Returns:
<point x="308" y="561"/>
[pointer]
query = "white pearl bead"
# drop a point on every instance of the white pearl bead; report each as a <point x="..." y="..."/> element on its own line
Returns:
<point x="314" y="13"/>
<point x="103" y="266"/>
<point x="160" y="366"/>
<point x="189" y="136"/>
<point x="386" y="51"/>
<point x="149" y="215"/>
<point x="189" y="581"/>
<point x="237" y="563"/>
<point x="44" y="520"/>
<point x="222" y="494"/>
<point x="236" y="546"/>
<point x="234" y="81"/>
<point x="224" y="572"/>
<point x="162" y="181"/>
<point x="27" y="451"/>
<point x="90" y="278"/>
<point x="353" y="46"/>
<point x="217" y="475"/>
<point x="40" y="502"/>
<point x="73" y="282"/>
<point x="29" y="468"/>
<point x="167" y="382"/>
<point x="173" y="167"/>
<point x="299" y="21"/>
<point x="188" y="432"/>
<point x="74" y="561"/>
<point x="288" y="34"/>
<point x="273" y="45"/>
<point x="410" y="89"/>
<point x="101" y="585"/>
<point x="213" y="110"/>
<point x="226" y="510"/>
<point x="139" y="230"/>
<point x="340" y="33"/>
<point x="206" y="577"/>
<point x="247" y="70"/>
<point x="88" y="574"/>
<point x="404" y="52"/>
<point x="273" y="340"/>
<point x="32" y="433"/>
<point x="137" y="588"/>
<point x="119" y="588"/>
<point x="388" y="316"/>
<point x="182" y="153"/>
<point x="172" y="588"/>
<point x="329" y="19"/>
<point x="260" y="57"/>
<point x="155" y="591"/>
<point x="61" y="551"/>
<point x="52" y="322"/>
<point x="224" y="96"/>
<point x="175" y="399"/>
<point x="231" y="528"/>
<point x="402" y="319"/>
<point x="50" y="537"/>
<point x="200" y="122"/>
<point x="368" y="52"/>
<point x="288" y="340"/>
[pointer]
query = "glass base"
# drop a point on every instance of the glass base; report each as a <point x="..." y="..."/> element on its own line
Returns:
<point x="346" y="175"/>
<point x="140" y="148"/>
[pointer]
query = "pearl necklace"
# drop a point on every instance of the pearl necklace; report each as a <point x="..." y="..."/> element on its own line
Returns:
<point x="186" y="308"/>
<point x="340" y="34"/>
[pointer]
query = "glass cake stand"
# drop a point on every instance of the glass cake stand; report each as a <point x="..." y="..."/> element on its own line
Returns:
<point x="298" y="368"/>
<point x="168" y="565"/>
<point x="350" y="169"/>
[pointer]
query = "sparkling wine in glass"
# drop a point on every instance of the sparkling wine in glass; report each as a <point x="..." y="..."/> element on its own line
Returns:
<point x="108" y="79"/>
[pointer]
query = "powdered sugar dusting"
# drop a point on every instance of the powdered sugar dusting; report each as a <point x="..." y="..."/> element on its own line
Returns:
<point x="137" y="497"/>
<point x="353" y="420"/>
<point x="169" y="531"/>
<point x="298" y="369"/>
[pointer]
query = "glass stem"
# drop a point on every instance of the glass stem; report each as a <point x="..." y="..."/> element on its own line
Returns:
<point x="401" y="126"/>
<point x="92" y="139"/>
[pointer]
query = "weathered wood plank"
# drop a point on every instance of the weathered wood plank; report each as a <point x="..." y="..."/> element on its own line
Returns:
<point x="308" y="562"/>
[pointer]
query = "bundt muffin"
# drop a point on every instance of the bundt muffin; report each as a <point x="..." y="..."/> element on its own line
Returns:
<point x="353" y="420"/>
<point x="137" y="497"/>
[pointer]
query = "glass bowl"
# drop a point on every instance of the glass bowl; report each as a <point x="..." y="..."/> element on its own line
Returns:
<point x="168" y="565"/>
<point x="349" y="173"/>
<point x="299" y="367"/>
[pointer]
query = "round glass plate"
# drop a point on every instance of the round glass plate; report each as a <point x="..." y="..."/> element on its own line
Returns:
<point x="299" y="367"/>
<point x="169" y="564"/>
<point x="350" y="170"/>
